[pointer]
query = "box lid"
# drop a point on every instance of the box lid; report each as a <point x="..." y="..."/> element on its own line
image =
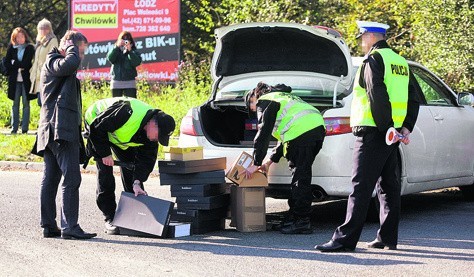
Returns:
<point x="182" y="150"/>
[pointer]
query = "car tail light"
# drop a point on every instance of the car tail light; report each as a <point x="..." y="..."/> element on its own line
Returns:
<point x="337" y="125"/>
<point x="187" y="126"/>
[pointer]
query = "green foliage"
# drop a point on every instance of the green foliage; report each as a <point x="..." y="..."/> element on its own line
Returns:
<point x="444" y="32"/>
<point x="191" y="89"/>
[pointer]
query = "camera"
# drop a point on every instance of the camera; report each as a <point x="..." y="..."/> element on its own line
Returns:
<point x="126" y="42"/>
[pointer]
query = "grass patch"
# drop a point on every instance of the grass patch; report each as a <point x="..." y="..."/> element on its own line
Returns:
<point x="191" y="89"/>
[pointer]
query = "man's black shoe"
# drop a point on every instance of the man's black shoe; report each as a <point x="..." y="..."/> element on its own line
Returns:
<point x="76" y="233"/>
<point x="51" y="232"/>
<point x="300" y="226"/>
<point x="380" y="245"/>
<point x="333" y="246"/>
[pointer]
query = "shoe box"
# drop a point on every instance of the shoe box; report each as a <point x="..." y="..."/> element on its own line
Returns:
<point x="183" y="153"/>
<point x="144" y="214"/>
<point x="202" y="203"/>
<point x="248" y="208"/>
<point x="197" y="190"/>
<point x="179" y="229"/>
<point x="192" y="166"/>
<point x="200" y="190"/>
<point x="235" y="173"/>
<point x="198" y="178"/>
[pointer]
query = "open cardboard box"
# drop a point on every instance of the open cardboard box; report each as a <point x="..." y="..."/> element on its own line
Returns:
<point x="258" y="179"/>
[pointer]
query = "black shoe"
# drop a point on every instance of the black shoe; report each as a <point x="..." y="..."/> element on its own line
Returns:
<point x="333" y="246"/>
<point x="76" y="233"/>
<point x="111" y="229"/>
<point x="300" y="226"/>
<point x="24" y="132"/>
<point x="51" y="232"/>
<point x="380" y="245"/>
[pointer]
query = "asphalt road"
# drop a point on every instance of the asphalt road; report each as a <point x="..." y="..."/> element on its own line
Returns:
<point x="436" y="239"/>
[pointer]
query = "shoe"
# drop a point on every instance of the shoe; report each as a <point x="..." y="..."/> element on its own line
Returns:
<point x="380" y="245"/>
<point x="300" y="226"/>
<point x="13" y="132"/>
<point x="333" y="246"/>
<point x="111" y="229"/>
<point x="76" y="233"/>
<point x="24" y="132"/>
<point x="51" y="232"/>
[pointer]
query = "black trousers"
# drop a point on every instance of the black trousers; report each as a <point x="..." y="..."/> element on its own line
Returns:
<point x="372" y="158"/>
<point x="130" y="92"/>
<point x="60" y="160"/>
<point x="300" y="154"/>
<point x="105" y="192"/>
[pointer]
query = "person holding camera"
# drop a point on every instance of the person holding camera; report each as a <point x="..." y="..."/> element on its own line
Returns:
<point x="124" y="58"/>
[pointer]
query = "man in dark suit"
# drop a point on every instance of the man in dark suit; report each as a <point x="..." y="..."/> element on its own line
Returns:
<point x="59" y="137"/>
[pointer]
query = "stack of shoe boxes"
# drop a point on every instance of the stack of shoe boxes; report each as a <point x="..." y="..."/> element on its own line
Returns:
<point x="199" y="187"/>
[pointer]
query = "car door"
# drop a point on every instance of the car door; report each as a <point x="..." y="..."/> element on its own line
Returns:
<point x="452" y="127"/>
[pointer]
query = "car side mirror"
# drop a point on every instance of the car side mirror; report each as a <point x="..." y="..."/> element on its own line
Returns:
<point x="466" y="99"/>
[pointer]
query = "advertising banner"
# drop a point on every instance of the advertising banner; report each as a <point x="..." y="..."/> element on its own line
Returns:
<point x="154" y="25"/>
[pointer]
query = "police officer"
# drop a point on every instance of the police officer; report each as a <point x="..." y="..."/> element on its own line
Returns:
<point x="299" y="129"/>
<point x="384" y="96"/>
<point x="131" y="129"/>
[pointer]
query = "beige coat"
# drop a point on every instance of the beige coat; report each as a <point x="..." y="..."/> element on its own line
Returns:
<point x="42" y="50"/>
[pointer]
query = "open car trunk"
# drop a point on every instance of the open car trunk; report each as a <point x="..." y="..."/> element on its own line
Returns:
<point x="231" y="125"/>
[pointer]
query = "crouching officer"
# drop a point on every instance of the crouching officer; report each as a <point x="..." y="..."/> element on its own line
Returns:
<point x="131" y="130"/>
<point x="299" y="129"/>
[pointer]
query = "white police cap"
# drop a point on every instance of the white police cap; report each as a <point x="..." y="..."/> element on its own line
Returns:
<point x="371" y="27"/>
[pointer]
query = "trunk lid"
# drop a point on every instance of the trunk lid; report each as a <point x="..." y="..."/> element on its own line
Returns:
<point x="261" y="50"/>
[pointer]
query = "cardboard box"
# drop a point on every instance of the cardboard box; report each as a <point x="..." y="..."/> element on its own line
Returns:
<point x="185" y="167"/>
<point x="184" y="153"/>
<point x="197" y="190"/>
<point x="248" y="209"/>
<point x="258" y="179"/>
<point x="209" y="177"/>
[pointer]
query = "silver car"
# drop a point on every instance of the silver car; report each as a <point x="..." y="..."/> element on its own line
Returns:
<point x="316" y="63"/>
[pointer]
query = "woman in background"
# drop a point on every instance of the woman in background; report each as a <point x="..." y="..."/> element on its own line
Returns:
<point x="45" y="42"/>
<point x="19" y="58"/>
<point x="124" y="58"/>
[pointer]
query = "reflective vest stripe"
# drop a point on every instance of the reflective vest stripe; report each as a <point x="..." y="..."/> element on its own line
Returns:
<point x="396" y="78"/>
<point x="295" y="116"/>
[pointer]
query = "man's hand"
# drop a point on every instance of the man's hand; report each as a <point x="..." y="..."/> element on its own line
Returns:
<point x="265" y="166"/>
<point x="109" y="161"/>
<point x="137" y="189"/>
<point x="249" y="171"/>
<point x="406" y="136"/>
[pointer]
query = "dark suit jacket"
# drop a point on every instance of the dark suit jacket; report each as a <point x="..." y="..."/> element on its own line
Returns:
<point x="61" y="112"/>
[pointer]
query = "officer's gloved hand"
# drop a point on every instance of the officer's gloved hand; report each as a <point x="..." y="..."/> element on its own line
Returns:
<point x="406" y="136"/>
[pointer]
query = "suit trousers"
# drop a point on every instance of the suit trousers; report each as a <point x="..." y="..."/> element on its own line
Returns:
<point x="105" y="193"/>
<point x="372" y="159"/>
<point x="60" y="160"/>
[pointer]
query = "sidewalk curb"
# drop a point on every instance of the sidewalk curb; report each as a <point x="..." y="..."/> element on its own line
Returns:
<point x="38" y="166"/>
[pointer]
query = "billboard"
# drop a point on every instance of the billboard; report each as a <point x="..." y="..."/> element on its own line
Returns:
<point x="154" y="25"/>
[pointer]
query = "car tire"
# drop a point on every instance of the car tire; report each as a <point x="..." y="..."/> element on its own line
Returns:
<point x="468" y="192"/>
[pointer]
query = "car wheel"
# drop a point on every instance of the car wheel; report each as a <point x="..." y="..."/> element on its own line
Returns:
<point x="468" y="192"/>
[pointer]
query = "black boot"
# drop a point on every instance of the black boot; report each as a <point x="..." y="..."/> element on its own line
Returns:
<point x="300" y="226"/>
